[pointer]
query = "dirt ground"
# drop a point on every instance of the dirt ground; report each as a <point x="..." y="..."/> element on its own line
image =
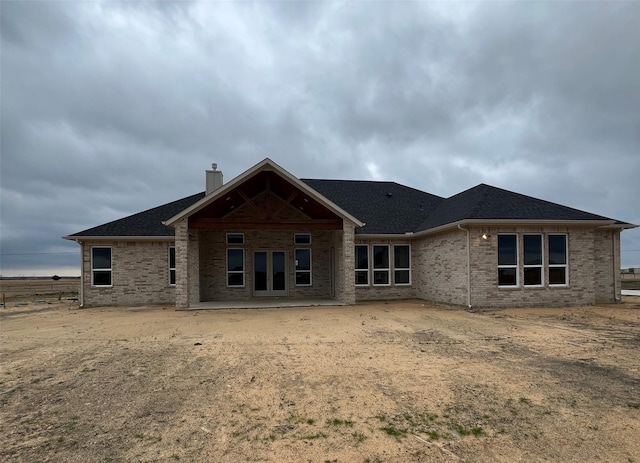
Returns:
<point x="382" y="382"/>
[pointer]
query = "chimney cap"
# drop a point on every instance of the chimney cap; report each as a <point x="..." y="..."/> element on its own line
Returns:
<point x="214" y="166"/>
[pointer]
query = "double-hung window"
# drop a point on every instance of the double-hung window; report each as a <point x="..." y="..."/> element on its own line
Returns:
<point x="557" y="246"/>
<point x="172" y="265"/>
<point x="101" y="266"/>
<point x="380" y="264"/>
<point x="303" y="267"/>
<point x="235" y="260"/>
<point x="507" y="260"/>
<point x="362" y="264"/>
<point x="532" y="260"/>
<point x="235" y="267"/>
<point x="402" y="264"/>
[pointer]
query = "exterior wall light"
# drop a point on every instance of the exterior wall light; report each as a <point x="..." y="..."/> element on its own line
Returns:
<point x="486" y="236"/>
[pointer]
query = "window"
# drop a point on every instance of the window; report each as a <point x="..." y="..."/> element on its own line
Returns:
<point x="507" y="260"/>
<point x="101" y="266"/>
<point x="235" y="267"/>
<point x="381" y="264"/>
<point x="557" y="245"/>
<point x="402" y="264"/>
<point x="302" y="238"/>
<point x="235" y="238"/>
<point x="532" y="260"/>
<point x="172" y="265"/>
<point x="362" y="264"/>
<point x="303" y="267"/>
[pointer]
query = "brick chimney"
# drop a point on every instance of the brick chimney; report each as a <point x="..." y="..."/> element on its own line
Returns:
<point x="214" y="178"/>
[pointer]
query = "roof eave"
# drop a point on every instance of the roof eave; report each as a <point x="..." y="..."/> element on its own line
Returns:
<point x="262" y="165"/>
<point x="119" y="238"/>
<point x="519" y="222"/>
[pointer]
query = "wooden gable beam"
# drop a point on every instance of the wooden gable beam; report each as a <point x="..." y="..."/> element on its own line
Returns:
<point x="251" y="204"/>
<point x="253" y="224"/>
<point x="291" y="197"/>
<point x="268" y="195"/>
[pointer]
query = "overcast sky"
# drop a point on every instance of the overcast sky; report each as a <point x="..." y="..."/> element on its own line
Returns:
<point x="111" y="108"/>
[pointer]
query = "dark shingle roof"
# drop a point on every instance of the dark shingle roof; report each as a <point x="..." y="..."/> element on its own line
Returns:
<point x="146" y="223"/>
<point x="385" y="207"/>
<point x="488" y="202"/>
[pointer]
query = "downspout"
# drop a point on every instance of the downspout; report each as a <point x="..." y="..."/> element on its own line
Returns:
<point x="468" y="266"/>
<point x="615" y="267"/>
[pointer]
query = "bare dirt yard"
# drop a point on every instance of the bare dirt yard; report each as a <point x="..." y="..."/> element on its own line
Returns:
<point x="382" y="382"/>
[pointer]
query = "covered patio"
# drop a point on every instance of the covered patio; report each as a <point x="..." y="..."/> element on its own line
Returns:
<point x="265" y="303"/>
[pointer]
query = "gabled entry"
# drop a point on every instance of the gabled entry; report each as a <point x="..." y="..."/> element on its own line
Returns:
<point x="256" y="218"/>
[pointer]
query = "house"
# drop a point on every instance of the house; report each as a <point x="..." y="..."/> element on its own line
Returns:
<point x="269" y="235"/>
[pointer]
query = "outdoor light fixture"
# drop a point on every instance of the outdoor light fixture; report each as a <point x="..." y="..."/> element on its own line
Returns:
<point x="486" y="236"/>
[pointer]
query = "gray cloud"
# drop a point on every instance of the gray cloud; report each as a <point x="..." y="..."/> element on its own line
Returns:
<point x="109" y="108"/>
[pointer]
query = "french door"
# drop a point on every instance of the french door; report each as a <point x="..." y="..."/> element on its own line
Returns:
<point x="270" y="273"/>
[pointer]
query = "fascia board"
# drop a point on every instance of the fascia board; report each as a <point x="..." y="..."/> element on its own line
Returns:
<point x="516" y="222"/>
<point x="384" y="236"/>
<point x="119" y="238"/>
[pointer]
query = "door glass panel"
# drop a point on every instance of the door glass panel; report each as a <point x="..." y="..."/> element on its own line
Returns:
<point x="260" y="271"/>
<point x="278" y="271"/>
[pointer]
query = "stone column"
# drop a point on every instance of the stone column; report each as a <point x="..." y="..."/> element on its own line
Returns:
<point x="346" y="289"/>
<point x="182" y="265"/>
<point x="194" y="266"/>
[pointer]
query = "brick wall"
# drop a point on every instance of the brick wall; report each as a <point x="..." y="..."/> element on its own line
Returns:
<point x="440" y="267"/>
<point x="606" y="245"/>
<point x="140" y="274"/>
<point x="182" y="269"/>
<point x="213" y="270"/>
<point x="387" y="292"/>
<point x="590" y="268"/>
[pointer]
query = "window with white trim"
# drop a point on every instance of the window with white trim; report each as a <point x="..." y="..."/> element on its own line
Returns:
<point x="101" y="266"/>
<point x="302" y="238"/>
<point x="381" y="264"/>
<point x="532" y="260"/>
<point x="401" y="264"/>
<point x="362" y="264"/>
<point x="303" y="267"/>
<point x="558" y="259"/>
<point x="235" y="238"/>
<point x="235" y="267"/>
<point x="172" y="265"/>
<point x="507" y="260"/>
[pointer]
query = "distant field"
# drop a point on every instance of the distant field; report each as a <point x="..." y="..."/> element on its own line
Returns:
<point x="36" y="288"/>
<point x="630" y="284"/>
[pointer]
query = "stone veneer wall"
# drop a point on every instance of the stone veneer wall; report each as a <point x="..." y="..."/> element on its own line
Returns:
<point x="440" y="267"/>
<point x="591" y="273"/>
<point x="182" y="268"/>
<point x="373" y="292"/>
<point x="213" y="259"/>
<point x="140" y="274"/>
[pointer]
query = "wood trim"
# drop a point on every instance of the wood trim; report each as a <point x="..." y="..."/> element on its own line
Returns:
<point x="250" y="202"/>
<point x="254" y="224"/>
<point x="286" y="203"/>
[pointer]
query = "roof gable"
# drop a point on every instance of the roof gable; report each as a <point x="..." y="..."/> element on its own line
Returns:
<point x="267" y="165"/>
<point x="486" y="202"/>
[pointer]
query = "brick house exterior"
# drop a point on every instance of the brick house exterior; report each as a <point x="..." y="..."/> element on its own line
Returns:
<point x="269" y="235"/>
